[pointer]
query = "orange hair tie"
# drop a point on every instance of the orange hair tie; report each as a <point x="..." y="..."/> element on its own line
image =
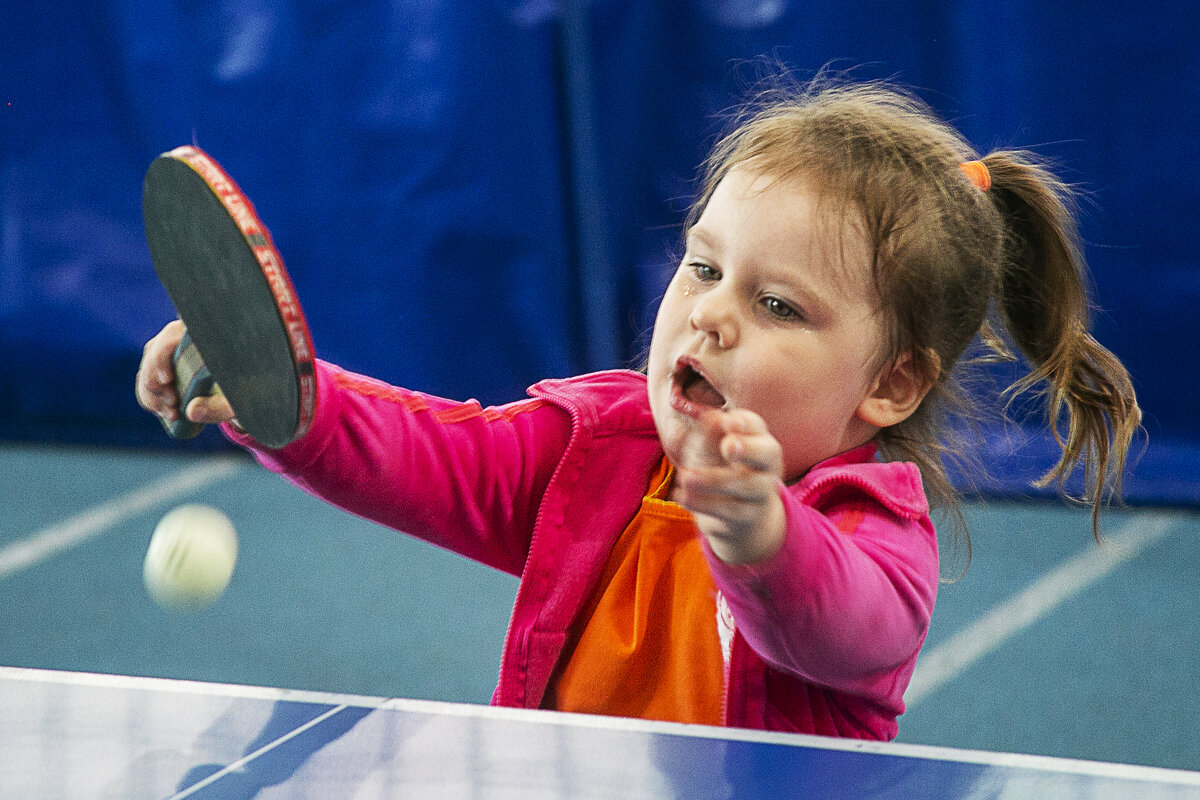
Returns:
<point x="977" y="173"/>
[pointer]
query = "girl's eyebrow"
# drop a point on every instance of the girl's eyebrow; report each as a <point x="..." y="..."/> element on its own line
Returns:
<point x="701" y="235"/>
<point x="815" y="302"/>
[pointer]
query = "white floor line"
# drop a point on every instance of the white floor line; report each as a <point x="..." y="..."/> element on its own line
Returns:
<point x="946" y="661"/>
<point x="25" y="553"/>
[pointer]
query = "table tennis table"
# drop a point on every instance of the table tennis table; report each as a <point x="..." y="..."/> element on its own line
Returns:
<point x="79" y="736"/>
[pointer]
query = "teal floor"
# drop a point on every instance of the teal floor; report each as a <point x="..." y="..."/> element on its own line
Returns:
<point x="322" y="600"/>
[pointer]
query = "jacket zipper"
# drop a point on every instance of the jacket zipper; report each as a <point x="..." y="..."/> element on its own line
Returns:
<point x="523" y="586"/>
<point x="728" y="679"/>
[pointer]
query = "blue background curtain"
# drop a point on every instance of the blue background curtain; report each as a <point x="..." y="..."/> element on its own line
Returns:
<point x="474" y="195"/>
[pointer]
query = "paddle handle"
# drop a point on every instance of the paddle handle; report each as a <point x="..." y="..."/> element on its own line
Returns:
<point x="192" y="380"/>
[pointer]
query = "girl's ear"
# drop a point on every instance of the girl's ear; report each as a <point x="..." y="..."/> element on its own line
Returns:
<point x="898" y="391"/>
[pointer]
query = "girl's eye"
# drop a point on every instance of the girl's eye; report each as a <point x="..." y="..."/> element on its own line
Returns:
<point x="705" y="272"/>
<point x="778" y="308"/>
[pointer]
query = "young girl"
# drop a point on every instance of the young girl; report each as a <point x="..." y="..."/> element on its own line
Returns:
<point x="741" y="536"/>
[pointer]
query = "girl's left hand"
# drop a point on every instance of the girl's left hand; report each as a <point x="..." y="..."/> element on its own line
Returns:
<point x="728" y="477"/>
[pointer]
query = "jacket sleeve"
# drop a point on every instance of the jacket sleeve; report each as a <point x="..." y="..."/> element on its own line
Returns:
<point x="455" y="474"/>
<point x="847" y="600"/>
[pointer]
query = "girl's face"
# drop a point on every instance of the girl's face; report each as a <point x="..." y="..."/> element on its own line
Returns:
<point x="771" y="310"/>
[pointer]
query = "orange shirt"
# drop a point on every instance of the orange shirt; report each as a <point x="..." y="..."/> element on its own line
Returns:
<point x="646" y="644"/>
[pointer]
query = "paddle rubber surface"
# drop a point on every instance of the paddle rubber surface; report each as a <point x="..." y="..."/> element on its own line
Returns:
<point x="228" y="284"/>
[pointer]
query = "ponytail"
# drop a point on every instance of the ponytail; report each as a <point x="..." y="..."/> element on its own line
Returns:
<point x="1044" y="306"/>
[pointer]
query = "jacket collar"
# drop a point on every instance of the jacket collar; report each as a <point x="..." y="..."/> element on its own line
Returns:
<point x="895" y="484"/>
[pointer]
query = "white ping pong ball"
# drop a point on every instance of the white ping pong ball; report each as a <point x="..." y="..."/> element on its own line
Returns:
<point x="190" y="558"/>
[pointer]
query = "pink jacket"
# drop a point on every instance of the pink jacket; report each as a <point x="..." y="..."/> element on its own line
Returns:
<point x="826" y="632"/>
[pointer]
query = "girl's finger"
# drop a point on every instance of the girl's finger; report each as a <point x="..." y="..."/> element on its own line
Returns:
<point x="759" y="452"/>
<point x="703" y="445"/>
<point x="212" y="409"/>
<point x="723" y="485"/>
<point x="741" y="420"/>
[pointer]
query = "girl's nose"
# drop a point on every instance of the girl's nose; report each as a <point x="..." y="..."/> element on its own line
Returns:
<point x="714" y="315"/>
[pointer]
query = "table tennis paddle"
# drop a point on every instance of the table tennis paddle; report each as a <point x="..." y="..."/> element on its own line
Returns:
<point x="246" y="333"/>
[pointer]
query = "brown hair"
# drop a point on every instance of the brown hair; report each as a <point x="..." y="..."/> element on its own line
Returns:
<point x="953" y="265"/>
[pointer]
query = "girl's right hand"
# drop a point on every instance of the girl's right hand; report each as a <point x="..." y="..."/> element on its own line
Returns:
<point x="155" y="383"/>
<point x="728" y="473"/>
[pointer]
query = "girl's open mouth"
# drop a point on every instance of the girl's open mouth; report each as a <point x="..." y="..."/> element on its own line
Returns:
<point x="692" y="387"/>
